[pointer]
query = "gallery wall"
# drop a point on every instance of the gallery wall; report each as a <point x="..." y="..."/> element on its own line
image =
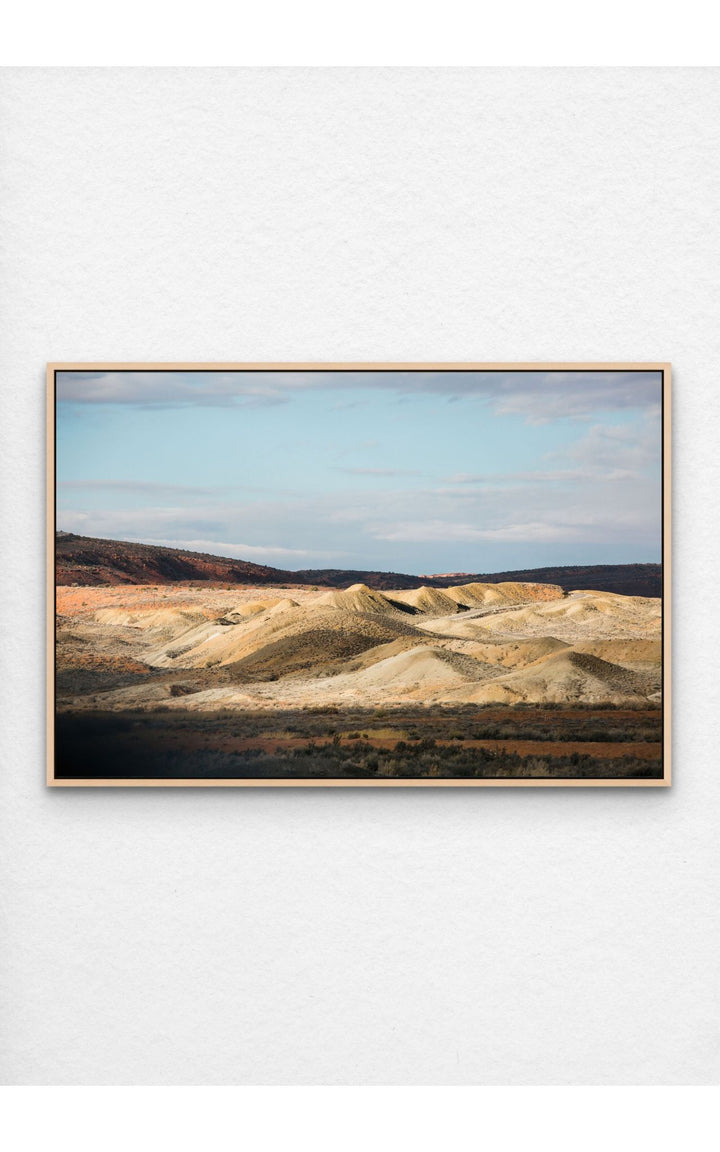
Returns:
<point x="355" y="936"/>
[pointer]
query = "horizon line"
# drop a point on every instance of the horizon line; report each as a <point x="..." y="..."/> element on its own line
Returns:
<point x="389" y="571"/>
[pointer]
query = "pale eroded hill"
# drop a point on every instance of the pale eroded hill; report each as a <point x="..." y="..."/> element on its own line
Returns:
<point x="509" y="643"/>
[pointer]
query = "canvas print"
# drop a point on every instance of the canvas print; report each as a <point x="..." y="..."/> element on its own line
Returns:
<point x="388" y="575"/>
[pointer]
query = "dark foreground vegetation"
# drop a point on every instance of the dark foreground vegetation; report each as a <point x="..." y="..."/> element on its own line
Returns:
<point x="438" y="743"/>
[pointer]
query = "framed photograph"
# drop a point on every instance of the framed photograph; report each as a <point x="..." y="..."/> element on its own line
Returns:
<point x="367" y="575"/>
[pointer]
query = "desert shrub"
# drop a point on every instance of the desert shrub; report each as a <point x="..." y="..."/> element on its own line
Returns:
<point x="181" y="690"/>
<point x="536" y="766"/>
<point x="119" y="744"/>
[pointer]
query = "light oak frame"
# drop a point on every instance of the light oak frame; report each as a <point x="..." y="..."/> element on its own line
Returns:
<point x="99" y="782"/>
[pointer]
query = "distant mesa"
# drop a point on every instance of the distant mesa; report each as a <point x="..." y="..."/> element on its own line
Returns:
<point x="446" y="576"/>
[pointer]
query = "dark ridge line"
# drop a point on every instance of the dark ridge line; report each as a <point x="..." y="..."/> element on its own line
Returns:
<point x="89" y="560"/>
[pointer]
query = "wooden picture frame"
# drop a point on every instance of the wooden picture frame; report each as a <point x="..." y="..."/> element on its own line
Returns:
<point x="55" y="781"/>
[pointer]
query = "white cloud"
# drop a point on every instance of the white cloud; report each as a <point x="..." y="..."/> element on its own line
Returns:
<point x="560" y="476"/>
<point x="114" y="526"/>
<point x="620" y="447"/>
<point x="238" y="551"/>
<point x="139" y="487"/>
<point x="538" y="396"/>
<point x="418" y="532"/>
<point x="177" y="389"/>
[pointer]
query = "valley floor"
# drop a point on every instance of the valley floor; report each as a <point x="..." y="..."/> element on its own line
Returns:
<point x="448" y="743"/>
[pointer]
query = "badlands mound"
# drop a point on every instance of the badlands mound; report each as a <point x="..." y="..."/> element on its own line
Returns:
<point x="430" y="601"/>
<point x="568" y="678"/>
<point x="281" y="640"/>
<point x="516" y="653"/>
<point x="629" y="653"/>
<point x="434" y="602"/>
<point x="583" y="615"/>
<point x="358" y="598"/>
<point x="168" y="620"/>
<point x="422" y="667"/>
<point x="476" y="643"/>
<point x="508" y="592"/>
<point x="311" y="648"/>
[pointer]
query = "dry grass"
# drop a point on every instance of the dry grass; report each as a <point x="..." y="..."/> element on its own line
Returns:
<point x="443" y="742"/>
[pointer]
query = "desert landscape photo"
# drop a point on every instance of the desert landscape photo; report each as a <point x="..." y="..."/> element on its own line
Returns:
<point x="370" y="575"/>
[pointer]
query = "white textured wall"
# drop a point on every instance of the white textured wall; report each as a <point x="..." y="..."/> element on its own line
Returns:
<point x="339" y="936"/>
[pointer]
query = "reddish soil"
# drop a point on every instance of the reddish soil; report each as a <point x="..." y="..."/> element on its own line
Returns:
<point x="210" y="600"/>
<point x="644" y="750"/>
<point x="93" y="661"/>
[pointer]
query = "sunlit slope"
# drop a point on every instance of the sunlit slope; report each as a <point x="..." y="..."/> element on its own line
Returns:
<point x="470" y="644"/>
<point x="567" y="677"/>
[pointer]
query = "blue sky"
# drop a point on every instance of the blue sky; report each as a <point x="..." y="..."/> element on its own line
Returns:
<point x="416" y="472"/>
